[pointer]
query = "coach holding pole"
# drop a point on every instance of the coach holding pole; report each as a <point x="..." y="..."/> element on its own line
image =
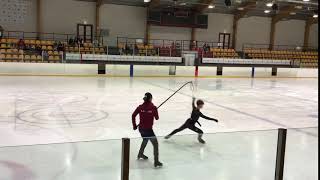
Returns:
<point x="147" y="113"/>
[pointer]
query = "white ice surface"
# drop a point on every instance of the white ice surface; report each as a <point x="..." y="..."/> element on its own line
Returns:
<point x="42" y="110"/>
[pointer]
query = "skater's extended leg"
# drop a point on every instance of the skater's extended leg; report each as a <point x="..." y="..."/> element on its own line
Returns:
<point x="184" y="126"/>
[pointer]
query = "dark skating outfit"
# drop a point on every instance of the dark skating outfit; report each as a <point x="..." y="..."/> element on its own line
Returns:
<point x="147" y="112"/>
<point x="190" y="123"/>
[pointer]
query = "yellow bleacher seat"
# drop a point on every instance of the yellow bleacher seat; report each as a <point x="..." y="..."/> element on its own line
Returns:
<point x="3" y="41"/>
<point x="50" y="43"/>
<point x="33" y="57"/>
<point x="8" y="57"/>
<point x="21" y="57"/>
<point x="51" y="58"/>
<point x="3" y="46"/>
<point x="2" y="57"/>
<point x="57" y="58"/>
<point x="39" y="58"/>
<point x="3" y="51"/>
<point x="9" y="51"/>
<point x="14" y="41"/>
<point x="27" y="57"/>
<point x="15" y="51"/>
<point x="15" y="57"/>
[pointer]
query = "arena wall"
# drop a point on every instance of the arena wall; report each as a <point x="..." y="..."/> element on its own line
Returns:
<point x="313" y="37"/>
<point x="61" y="16"/>
<point x="255" y="30"/>
<point x="290" y="32"/>
<point x="218" y="23"/>
<point x="126" y="21"/>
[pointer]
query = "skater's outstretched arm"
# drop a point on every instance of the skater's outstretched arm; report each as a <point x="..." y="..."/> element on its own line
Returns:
<point x="208" y="118"/>
<point x="134" y="115"/>
<point x="193" y="102"/>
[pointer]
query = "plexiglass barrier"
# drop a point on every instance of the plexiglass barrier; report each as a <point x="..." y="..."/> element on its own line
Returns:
<point x="225" y="156"/>
<point x="99" y="160"/>
<point x="301" y="159"/>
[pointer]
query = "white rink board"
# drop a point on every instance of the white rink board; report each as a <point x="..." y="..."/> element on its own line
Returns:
<point x="262" y="72"/>
<point x="297" y="72"/>
<point x="13" y="68"/>
<point x="237" y="71"/>
<point x="185" y="71"/>
<point x="118" y="70"/>
<point x="48" y="68"/>
<point x="148" y="70"/>
<point x="207" y="71"/>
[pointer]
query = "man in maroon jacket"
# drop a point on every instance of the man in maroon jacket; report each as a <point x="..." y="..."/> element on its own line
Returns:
<point x="147" y="112"/>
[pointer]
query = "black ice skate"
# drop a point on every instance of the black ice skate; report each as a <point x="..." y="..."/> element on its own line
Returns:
<point x="143" y="157"/>
<point x="158" y="164"/>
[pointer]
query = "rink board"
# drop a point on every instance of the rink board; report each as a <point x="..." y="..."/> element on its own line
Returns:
<point x="12" y="68"/>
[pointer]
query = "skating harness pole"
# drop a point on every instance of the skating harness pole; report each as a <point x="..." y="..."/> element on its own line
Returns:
<point x="190" y="82"/>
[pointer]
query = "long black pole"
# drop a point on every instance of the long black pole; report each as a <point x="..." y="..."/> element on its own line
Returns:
<point x="190" y="82"/>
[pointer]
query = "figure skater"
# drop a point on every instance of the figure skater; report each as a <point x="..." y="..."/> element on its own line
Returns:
<point x="190" y="123"/>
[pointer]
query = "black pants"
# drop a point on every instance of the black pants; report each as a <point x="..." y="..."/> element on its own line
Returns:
<point x="188" y="125"/>
<point x="148" y="134"/>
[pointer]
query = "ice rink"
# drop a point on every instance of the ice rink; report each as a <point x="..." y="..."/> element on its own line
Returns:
<point x="43" y="110"/>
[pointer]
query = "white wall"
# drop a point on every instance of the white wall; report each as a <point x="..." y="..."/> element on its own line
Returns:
<point x="217" y="23"/>
<point x="254" y="30"/>
<point x="313" y="38"/>
<point x="62" y="16"/>
<point x="172" y="33"/>
<point x="27" y="22"/>
<point x="290" y="32"/>
<point x="127" y="21"/>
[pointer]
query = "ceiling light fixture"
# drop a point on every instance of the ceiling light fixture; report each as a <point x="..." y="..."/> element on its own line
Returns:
<point x="211" y="6"/>
<point x="146" y="1"/>
<point x="269" y="4"/>
<point x="315" y="15"/>
<point x="306" y="0"/>
<point x="266" y="11"/>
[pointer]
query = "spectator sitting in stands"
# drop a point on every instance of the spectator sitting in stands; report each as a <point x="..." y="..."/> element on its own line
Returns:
<point x="21" y="44"/>
<point x="173" y="46"/>
<point x="1" y="32"/>
<point x="127" y="49"/>
<point x="60" y="47"/>
<point x="71" y="42"/>
<point x="38" y="49"/>
<point x="206" y="47"/>
<point x="45" y="55"/>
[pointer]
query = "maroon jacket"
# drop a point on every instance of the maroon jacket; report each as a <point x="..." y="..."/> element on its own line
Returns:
<point x="147" y="112"/>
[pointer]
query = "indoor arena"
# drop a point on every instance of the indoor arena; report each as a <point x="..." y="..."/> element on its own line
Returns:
<point x="158" y="89"/>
